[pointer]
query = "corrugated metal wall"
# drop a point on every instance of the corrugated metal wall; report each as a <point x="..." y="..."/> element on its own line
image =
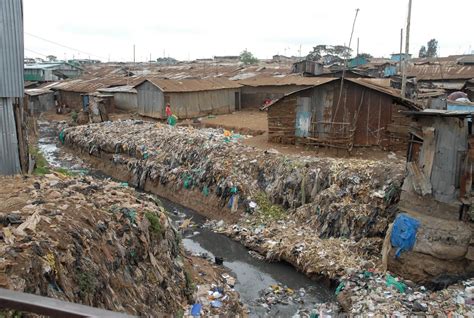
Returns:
<point x="150" y="101"/>
<point x="194" y="104"/>
<point x="11" y="48"/>
<point x="10" y="163"/>
<point x="126" y="101"/>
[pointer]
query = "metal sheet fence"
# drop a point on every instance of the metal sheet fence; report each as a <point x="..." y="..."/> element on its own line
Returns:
<point x="9" y="157"/>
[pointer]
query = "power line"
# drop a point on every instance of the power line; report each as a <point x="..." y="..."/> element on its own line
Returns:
<point x="36" y="52"/>
<point x="64" y="46"/>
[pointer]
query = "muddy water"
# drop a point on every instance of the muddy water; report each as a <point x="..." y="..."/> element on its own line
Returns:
<point x="252" y="275"/>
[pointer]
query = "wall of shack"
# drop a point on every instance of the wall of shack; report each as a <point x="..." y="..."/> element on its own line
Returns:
<point x="195" y="104"/>
<point x="150" y="100"/>
<point x="372" y="113"/>
<point x="72" y="99"/>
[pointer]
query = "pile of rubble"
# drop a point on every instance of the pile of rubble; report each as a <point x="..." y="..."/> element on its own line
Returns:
<point x="93" y="242"/>
<point x="338" y="198"/>
<point x="366" y="292"/>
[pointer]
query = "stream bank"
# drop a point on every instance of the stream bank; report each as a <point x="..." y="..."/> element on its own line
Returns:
<point x="252" y="275"/>
<point x="337" y="211"/>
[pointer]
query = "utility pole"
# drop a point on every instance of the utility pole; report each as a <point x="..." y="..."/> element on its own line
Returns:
<point x="357" y="47"/>
<point x="400" y="65"/>
<point x="134" y="53"/>
<point x="407" y="49"/>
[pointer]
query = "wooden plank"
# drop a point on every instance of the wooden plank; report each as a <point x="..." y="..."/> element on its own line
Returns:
<point x="429" y="148"/>
<point x="420" y="182"/>
<point x="398" y="129"/>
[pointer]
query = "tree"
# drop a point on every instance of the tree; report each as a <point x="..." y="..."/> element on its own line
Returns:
<point x="247" y="57"/>
<point x="365" y="55"/>
<point x="320" y="50"/>
<point x="422" y="52"/>
<point x="432" y="50"/>
<point x="51" y="58"/>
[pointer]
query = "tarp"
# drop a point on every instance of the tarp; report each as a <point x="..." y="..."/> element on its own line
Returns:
<point x="404" y="233"/>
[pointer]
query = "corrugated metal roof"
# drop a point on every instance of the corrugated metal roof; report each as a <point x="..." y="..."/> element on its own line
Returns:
<point x="383" y="89"/>
<point x="389" y="91"/>
<point x="286" y="80"/>
<point x="37" y="91"/>
<point x="442" y="70"/>
<point x="191" y="85"/>
<point x="11" y="48"/>
<point x="118" y="89"/>
<point x="10" y="162"/>
<point x="91" y="85"/>
<point x="43" y="66"/>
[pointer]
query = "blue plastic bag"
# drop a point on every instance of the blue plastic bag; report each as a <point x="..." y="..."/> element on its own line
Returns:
<point x="196" y="310"/>
<point x="404" y="233"/>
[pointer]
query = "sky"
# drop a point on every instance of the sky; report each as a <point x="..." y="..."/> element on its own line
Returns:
<point x="186" y="30"/>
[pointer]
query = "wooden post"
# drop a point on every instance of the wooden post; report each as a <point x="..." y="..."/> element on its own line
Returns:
<point x="407" y="49"/>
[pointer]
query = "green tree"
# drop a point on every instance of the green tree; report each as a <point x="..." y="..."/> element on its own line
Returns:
<point x="366" y="55"/>
<point x="320" y="50"/>
<point x="422" y="52"/>
<point x="247" y="57"/>
<point x="432" y="50"/>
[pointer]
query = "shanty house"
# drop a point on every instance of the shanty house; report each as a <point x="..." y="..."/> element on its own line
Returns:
<point x="361" y="114"/>
<point x="188" y="98"/>
<point x="51" y="71"/>
<point x="307" y="67"/>
<point x="256" y="90"/>
<point x="39" y="100"/>
<point x="75" y="93"/>
<point x="125" y="97"/>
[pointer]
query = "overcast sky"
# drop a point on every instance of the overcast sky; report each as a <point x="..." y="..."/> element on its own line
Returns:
<point x="107" y="29"/>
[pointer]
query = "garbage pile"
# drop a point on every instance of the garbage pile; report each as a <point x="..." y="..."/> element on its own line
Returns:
<point x="299" y="245"/>
<point x="372" y="292"/>
<point x="279" y="294"/>
<point x="93" y="242"/>
<point x="337" y="197"/>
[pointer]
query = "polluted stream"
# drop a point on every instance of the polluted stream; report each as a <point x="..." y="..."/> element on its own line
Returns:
<point x="253" y="276"/>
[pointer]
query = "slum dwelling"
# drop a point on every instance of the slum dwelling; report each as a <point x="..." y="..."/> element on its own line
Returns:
<point x="435" y="201"/>
<point x="188" y="98"/>
<point x="359" y="114"/>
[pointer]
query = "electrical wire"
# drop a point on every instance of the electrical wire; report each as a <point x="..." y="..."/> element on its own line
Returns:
<point x="64" y="46"/>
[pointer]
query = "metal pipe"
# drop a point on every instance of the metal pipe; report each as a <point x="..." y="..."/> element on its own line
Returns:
<point x="50" y="306"/>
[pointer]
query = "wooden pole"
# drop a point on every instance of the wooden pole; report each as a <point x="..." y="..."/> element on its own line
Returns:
<point x="407" y="50"/>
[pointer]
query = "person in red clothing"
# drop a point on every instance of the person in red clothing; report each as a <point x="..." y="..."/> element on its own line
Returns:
<point x="168" y="110"/>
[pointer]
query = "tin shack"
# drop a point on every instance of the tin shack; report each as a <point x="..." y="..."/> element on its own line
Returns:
<point x="188" y="98"/>
<point x="359" y="114"/>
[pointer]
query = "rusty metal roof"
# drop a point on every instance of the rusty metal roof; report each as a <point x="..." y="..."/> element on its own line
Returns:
<point x="286" y="80"/>
<point x="91" y="85"/>
<point x="191" y="85"/>
<point x="442" y="70"/>
<point x="360" y="81"/>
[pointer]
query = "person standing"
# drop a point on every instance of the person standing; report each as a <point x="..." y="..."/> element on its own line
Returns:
<point x="168" y="110"/>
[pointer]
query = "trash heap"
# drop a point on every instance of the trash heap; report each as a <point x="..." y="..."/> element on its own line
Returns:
<point x="297" y="244"/>
<point x="337" y="197"/>
<point x="92" y="242"/>
<point x="372" y="292"/>
<point x="280" y="294"/>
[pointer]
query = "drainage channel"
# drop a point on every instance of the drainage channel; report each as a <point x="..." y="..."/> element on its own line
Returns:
<point x="252" y="275"/>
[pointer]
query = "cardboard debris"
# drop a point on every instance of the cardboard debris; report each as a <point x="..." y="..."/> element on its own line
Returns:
<point x="94" y="242"/>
